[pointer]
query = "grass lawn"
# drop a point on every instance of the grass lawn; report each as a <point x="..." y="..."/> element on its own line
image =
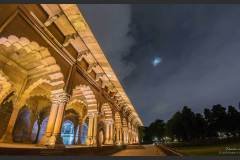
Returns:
<point x="214" y="150"/>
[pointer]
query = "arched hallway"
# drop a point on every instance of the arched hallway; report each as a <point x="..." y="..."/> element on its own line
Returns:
<point x="56" y="88"/>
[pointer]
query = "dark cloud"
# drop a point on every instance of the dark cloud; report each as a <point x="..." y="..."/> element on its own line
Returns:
<point x="199" y="46"/>
<point x="110" y="24"/>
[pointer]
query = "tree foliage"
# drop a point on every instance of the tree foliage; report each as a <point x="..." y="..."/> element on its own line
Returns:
<point x="185" y="125"/>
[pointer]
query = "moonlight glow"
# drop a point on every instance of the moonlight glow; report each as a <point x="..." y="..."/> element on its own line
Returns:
<point x="156" y="61"/>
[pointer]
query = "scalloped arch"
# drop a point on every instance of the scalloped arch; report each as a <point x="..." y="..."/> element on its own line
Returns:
<point x="36" y="62"/>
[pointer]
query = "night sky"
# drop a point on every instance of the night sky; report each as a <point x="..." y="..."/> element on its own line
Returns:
<point x="168" y="56"/>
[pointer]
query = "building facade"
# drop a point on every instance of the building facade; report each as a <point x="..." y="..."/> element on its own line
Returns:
<point x="56" y="85"/>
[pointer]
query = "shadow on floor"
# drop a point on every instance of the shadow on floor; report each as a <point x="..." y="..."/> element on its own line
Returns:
<point x="83" y="151"/>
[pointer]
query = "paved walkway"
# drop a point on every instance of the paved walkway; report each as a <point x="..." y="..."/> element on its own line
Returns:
<point x="34" y="146"/>
<point x="140" y="150"/>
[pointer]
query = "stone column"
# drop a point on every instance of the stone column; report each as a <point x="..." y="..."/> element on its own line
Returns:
<point x="51" y="120"/>
<point x="137" y="139"/>
<point x="90" y="129"/>
<point x="130" y="136"/>
<point x="56" y="138"/>
<point x="8" y="135"/>
<point x="133" y="134"/>
<point x="125" y="136"/>
<point x="134" y="137"/>
<point x="111" y="133"/>
<point x="119" y="136"/>
<point x="95" y="129"/>
<point x="80" y="131"/>
<point x="75" y="133"/>
<point x="107" y="134"/>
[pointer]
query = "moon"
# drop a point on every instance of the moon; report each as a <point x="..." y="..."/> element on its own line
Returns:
<point x="156" y="61"/>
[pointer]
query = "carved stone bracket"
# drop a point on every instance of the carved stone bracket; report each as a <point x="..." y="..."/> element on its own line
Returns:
<point x="91" y="67"/>
<point x="82" y="54"/>
<point x="99" y="75"/>
<point x="69" y="38"/>
<point x="53" y="18"/>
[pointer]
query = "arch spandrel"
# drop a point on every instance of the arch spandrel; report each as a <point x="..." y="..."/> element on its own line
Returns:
<point x="107" y="111"/>
<point x="117" y="119"/>
<point x="78" y="106"/>
<point x="82" y="94"/>
<point x="124" y="122"/>
<point x="5" y="86"/>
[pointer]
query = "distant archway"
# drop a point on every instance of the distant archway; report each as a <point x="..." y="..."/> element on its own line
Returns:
<point x="84" y="133"/>
<point x="38" y="74"/>
<point x="101" y="133"/>
<point x="106" y="111"/>
<point x="42" y="130"/>
<point x="22" y="126"/>
<point x="67" y="132"/>
<point x="101" y="137"/>
<point x="6" y="108"/>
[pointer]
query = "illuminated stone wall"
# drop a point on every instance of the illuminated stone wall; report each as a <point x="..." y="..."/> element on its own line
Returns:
<point x="53" y="71"/>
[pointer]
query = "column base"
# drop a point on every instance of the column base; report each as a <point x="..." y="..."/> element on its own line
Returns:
<point x="56" y="146"/>
<point x="7" y="138"/>
<point x="55" y="140"/>
<point x="88" y="141"/>
<point x="94" y="141"/>
<point x="44" y="141"/>
<point x="91" y="141"/>
<point x="109" y="142"/>
<point x="118" y="143"/>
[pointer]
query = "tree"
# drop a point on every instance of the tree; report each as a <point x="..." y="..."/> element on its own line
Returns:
<point x="186" y="125"/>
<point x="157" y="129"/>
<point x="200" y="126"/>
<point x="188" y="122"/>
<point x="147" y="138"/>
<point x="209" y="121"/>
<point x="233" y="118"/>
<point x="175" y="126"/>
<point x="219" y="118"/>
<point x="141" y="133"/>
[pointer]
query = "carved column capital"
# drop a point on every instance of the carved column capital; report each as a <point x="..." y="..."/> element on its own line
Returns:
<point x="92" y="114"/>
<point x="64" y="97"/>
<point x="109" y="121"/>
<point x="60" y="97"/>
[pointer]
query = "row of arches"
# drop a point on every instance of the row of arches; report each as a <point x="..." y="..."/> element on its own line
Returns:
<point x="31" y="124"/>
<point x="35" y="109"/>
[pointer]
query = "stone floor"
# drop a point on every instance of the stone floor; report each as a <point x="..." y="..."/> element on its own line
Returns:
<point x="31" y="149"/>
<point x="34" y="146"/>
<point x="16" y="145"/>
<point x="140" y="150"/>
